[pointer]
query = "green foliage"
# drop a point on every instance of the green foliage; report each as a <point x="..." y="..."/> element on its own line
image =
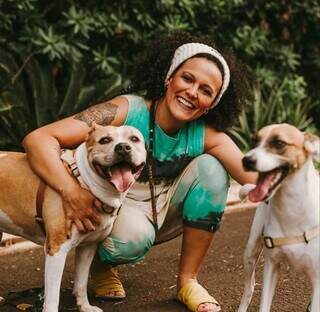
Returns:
<point x="281" y="101"/>
<point x="31" y="95"/>
<point x="61" y="56"/>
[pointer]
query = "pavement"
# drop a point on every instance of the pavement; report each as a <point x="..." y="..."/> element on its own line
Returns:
<point x="151" y="283"/>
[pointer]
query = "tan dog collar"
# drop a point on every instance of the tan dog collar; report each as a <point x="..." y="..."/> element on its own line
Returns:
<point x="306" y="237"/>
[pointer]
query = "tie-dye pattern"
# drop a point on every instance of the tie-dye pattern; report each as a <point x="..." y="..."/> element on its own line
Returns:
<point x="171" y="153"/>
<point x="196" y="195"/>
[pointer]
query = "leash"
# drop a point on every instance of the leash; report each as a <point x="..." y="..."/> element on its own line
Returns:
<point x="150" y="167"/>
<point x="306" y="237"/>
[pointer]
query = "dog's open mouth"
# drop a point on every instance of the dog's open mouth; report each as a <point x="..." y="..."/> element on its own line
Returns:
<point x="121" y="175"/>
<point x="267" y="183"/>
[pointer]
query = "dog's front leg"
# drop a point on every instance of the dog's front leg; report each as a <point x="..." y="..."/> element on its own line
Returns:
<point x="270" y="276"/>
<point x="251" y="256"/>
<point x="54" y="265"/>
<point x="84" y="257"/>
<point x="315" y="301"/>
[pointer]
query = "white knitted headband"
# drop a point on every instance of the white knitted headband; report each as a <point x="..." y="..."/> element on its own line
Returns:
<point x="188" y="50"/>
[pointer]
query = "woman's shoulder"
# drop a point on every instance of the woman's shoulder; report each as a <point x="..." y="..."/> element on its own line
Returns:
<point x="135" y="104"/>
<point x="127" y="107"/>
<point x="137" y="113"/>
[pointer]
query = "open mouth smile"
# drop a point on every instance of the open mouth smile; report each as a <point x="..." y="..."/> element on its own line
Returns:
<point x="120" y="175"/>
<point x="185" y="103"/>
<point x="267" y="183"/>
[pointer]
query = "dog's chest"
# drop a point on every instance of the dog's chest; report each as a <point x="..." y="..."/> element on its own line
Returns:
<point x="299" y="256"/>
<point x="101" y="231"/>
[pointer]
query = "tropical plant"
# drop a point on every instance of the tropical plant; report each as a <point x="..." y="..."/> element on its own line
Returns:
<point x="32" y="95"/>
<point x="278" y="102"/>
<point x="63" y="56"/>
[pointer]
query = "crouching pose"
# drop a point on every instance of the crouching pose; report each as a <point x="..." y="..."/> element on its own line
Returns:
<point x="191" y="94"/>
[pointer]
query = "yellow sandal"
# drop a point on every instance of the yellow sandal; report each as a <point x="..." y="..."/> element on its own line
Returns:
<point x="107" y="283"/>
<point x="193" y="294"/>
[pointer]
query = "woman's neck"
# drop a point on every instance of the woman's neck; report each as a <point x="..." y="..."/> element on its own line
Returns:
<point x="165" y="120"/>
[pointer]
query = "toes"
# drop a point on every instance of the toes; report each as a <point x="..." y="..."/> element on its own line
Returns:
<point x="208" y="307"/>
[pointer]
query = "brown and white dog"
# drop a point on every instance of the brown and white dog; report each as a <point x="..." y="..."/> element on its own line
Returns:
<point x="287" y="224"/>
<point x="109" y="162"/>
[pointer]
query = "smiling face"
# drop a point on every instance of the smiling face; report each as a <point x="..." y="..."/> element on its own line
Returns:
<point x="192" y="89"/>
<point x="116" y="154"/>
<point x="280" y="150"/>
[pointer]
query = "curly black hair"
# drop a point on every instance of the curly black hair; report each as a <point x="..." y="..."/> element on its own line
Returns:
<point x="153" y="65"/>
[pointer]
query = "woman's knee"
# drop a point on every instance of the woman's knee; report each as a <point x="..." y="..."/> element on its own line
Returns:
<point x="121" y="247"/>
<point x="212" y="174"/>
<point x="205" y="202"/>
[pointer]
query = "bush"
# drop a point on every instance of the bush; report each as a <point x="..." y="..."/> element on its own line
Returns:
<point x="273" y="104"/>
<point x="59" y="57"/>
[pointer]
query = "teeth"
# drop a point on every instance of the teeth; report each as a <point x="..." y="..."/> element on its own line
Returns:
<point x="185" y="102"/>
<point x="275" y="180"/>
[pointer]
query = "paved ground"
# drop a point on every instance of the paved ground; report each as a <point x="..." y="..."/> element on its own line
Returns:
<point x="150" y="284"/>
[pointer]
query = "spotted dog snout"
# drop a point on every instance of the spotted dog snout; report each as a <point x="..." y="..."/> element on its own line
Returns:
<point x="123" y="149"/>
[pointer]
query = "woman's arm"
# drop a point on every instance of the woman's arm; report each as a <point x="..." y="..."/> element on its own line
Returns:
<point x="220" y="145"/>
<point x="43" y="152"/>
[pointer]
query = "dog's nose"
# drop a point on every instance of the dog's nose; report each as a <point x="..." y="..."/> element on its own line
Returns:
<point x="122" y="148"/>
<point x="249" y="163"/>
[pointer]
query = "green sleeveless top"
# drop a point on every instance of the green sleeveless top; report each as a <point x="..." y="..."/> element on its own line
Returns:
<point x="171" y="154"/>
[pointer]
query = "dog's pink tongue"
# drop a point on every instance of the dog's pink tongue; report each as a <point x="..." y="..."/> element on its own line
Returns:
<point x="122" y="177"/>
<point x="260" y="192"/>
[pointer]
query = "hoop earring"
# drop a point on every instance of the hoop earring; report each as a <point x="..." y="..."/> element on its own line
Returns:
<point x="206" y="111"/>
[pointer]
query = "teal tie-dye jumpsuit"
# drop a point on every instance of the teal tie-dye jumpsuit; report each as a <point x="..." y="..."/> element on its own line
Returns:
<point x="191" y="189"/>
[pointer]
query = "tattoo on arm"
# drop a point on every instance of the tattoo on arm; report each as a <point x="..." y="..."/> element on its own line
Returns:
<point x="103" y="114"/>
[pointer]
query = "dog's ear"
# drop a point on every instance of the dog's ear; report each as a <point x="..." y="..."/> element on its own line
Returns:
<point x="92" y="128"/>
<point x="89" y="138"/>
<point x="312" y="145"/>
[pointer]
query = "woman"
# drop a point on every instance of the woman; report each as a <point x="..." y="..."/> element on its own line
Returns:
<point x="191" y="95"/>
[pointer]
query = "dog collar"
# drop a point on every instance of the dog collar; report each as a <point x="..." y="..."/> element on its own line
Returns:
<point x="306" y="237"/>
<point x="67" y="157"/>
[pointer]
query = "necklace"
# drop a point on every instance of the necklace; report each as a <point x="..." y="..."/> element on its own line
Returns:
<point x="150" y="166"/>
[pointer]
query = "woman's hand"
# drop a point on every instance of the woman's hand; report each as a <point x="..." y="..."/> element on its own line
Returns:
<point x="81" y="208"/>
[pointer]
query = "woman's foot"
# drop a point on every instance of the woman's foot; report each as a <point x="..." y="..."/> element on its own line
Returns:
<point x="196" y="298"/>
<point x="208" y="307"/>
<point x="106" y="281"/>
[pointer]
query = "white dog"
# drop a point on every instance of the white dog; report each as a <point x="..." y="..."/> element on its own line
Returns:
<point x="287" y="224"/>
<point x="108" y="162"/>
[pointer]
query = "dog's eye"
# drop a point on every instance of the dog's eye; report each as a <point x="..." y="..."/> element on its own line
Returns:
<point x="134" y="139"/>
<point x="278" y="144"/>
<point x="105" y="140"/>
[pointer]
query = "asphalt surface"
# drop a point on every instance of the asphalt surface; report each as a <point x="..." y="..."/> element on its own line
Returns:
<point x="150" y="284"/>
